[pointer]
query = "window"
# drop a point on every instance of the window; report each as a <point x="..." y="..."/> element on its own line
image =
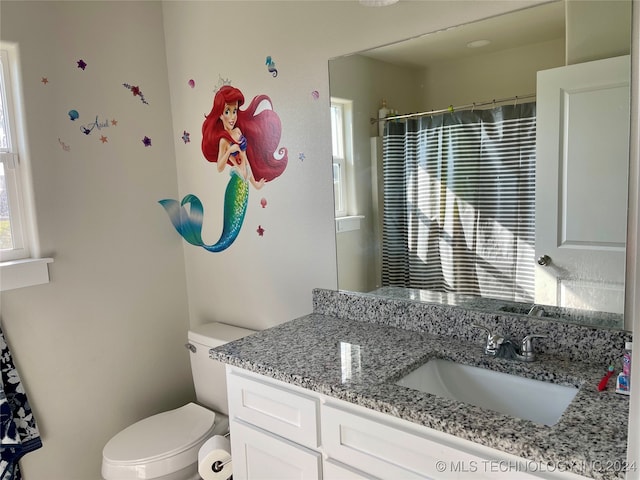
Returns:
<point x="341" y="141"/>
<point x="12" y="221"/>
<point x="18" y="245"/>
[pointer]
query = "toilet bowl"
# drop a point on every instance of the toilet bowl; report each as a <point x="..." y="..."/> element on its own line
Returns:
<point x="165" y="446"/>
<point x="162" y="446"/>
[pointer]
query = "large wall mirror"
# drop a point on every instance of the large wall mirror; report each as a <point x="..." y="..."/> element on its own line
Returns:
<point x="518" y="126"/>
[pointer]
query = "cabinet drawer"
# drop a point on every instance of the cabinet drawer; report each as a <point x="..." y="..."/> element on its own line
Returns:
<point x="388" y="451"/>
<point x="332" y="470"/>
<point x="289" y="414"/>
<point x="259" y="455"/>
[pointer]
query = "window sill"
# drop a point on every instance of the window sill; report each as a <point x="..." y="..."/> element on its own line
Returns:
<point x="347" y="224"/>
<point x="24" y="273"/>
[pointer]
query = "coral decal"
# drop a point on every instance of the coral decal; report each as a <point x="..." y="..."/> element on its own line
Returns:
<point x="245" y="141"/>
<point x="136" y="92"/>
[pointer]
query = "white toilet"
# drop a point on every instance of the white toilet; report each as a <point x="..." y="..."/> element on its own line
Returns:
<point x="165" y="446"/>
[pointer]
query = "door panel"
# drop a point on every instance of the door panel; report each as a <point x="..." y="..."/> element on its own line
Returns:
<point x="581" y="184"/>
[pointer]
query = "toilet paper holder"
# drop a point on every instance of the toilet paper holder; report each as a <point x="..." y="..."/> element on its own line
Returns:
<point x="217" y="466"/>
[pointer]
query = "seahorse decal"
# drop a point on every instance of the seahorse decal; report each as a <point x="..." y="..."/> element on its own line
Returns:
<point x="271" y="66"/>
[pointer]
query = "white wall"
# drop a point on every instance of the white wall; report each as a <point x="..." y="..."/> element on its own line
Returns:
<point x="481" y="78"/>
<point x="101" y="345"/>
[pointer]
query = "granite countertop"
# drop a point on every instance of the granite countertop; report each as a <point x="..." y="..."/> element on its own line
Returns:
<point x="590" y="438"/>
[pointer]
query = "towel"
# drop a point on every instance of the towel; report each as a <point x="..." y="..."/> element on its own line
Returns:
<point x="19" y="433"/>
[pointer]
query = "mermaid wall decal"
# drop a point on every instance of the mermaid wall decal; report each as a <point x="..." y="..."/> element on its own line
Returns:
<point x="245" y="140"/>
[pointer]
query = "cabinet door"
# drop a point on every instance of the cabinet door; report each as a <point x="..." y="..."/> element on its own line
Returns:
<point x="259" y="455"/>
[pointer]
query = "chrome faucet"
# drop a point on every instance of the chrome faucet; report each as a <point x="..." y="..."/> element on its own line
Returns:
<point x="497" y="346"/>
<point x="493" y="341"/>
<point x="526" y="348"/>
<point x="536" y="311"/>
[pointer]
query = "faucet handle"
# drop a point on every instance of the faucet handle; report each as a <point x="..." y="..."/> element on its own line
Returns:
<point x="526" y="347"/>
<point x="493" y="340"/>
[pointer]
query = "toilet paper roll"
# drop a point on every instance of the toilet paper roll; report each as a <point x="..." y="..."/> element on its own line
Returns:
<point x="212" y="455"/>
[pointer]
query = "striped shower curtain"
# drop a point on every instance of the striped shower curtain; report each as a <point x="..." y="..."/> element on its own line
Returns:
<point x="459" y="198"/>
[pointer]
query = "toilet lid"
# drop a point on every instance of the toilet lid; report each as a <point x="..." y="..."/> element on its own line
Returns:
<point x="163" y="443"/>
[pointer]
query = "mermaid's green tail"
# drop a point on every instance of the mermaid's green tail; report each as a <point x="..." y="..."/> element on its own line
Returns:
<point x="189" y="223"/>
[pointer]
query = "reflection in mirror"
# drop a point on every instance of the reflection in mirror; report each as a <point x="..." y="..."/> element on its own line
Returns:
<point x="491" y="185"/>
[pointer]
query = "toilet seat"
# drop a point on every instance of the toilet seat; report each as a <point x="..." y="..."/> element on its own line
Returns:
<point x="158" y="445"/>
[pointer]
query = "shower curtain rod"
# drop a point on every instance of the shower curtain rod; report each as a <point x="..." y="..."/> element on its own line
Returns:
<point x="452" y="109"/>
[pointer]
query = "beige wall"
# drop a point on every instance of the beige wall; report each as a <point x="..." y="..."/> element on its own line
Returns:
<point x="597" y="29"/>
<point x="481" y="78"/>
<point x="366" y="82"/>
<point x="102" y="344"/>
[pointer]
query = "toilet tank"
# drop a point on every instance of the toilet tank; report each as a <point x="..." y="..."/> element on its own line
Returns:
<point x="208" y="374"/>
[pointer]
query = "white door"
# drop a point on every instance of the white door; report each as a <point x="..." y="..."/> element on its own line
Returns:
<point x="581" y="184"/>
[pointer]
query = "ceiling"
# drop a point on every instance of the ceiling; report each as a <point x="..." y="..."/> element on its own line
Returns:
<point x="528" y="26"/>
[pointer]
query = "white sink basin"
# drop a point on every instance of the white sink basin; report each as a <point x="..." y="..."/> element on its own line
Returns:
<point x="541" y="402"/>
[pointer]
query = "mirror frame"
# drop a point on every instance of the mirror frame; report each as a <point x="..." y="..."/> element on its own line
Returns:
<point x="632" y="280"/>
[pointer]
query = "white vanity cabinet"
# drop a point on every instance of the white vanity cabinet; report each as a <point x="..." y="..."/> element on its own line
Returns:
<point x="275" y="431"/>
<point x="280" y="431"/>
